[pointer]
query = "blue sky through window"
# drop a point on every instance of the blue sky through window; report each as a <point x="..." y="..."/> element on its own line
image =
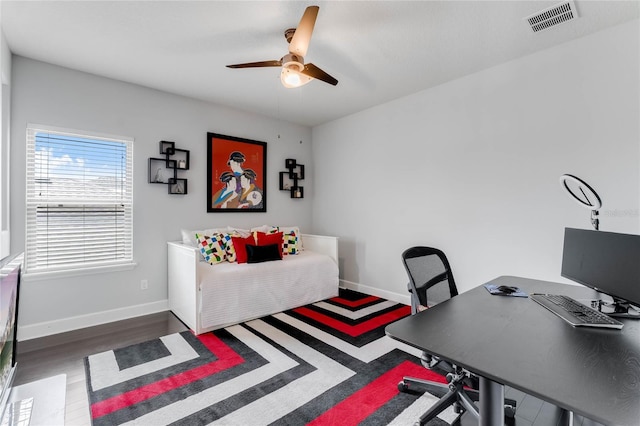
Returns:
<point x="79" y="166"/>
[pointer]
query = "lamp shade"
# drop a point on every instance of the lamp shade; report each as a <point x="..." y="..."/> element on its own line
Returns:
<point x="291" y="78"/>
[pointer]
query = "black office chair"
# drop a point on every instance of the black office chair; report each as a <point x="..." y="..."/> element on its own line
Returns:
<point x="431" y="282"/>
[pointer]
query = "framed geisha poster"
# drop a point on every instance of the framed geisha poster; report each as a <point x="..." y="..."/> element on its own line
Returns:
<point x="236" y="174"/>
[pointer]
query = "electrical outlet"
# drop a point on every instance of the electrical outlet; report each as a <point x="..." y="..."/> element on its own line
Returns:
<point x="144" y="284"/>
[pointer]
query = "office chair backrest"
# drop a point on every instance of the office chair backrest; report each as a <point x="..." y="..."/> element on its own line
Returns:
<point x="430" y="276"/>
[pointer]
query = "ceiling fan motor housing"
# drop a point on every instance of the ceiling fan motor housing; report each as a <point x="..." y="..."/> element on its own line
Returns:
<point x="288" y="34"/>
<point x="292" y="61"/>
<point x="294" y="73"/>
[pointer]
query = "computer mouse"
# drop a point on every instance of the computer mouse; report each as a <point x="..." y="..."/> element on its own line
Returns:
<point x="507" y="289"/>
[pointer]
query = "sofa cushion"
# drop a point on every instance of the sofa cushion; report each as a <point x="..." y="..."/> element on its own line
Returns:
<point x="290" y="243"/>
<point x="239" y="245"/>
<point x="189" y="236"/>
<point x="267" y="229"/>
<point x="288" y="229"/>
<point x="229" y="248"/>
<point x="238" y="232"/>
<point x="263" y="239"/>
<point x="264" y="253"/>
<point x="212" y="248"/>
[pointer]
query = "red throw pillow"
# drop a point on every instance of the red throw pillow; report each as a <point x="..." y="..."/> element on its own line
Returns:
<point x="268" y="239"/>
<point x="240" y="244"/>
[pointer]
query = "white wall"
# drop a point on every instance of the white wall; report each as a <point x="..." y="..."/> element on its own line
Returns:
<point x="472" y="166"/>
<point x="47" y="94"/>
<point x="5" y="114"/>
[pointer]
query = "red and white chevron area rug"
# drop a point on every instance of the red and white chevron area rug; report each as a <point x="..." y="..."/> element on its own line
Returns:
<point x="328" y="363"/>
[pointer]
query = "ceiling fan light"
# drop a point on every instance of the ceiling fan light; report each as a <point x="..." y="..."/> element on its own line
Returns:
<point x="291" y="78"/>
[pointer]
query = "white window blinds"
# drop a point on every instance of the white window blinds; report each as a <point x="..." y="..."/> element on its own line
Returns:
<point x="79" y="201"/>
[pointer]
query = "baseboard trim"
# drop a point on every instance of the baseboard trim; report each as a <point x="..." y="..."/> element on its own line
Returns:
<point x="42" y="329"/>
<point x="373" y="291"/>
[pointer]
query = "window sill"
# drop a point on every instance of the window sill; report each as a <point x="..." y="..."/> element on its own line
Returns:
<point x="39" y="276"/>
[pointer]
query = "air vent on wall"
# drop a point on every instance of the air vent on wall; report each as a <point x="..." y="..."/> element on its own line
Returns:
<point x="552" y="16"/>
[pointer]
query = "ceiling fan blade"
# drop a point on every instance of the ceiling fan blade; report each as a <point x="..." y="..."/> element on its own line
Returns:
<point x="257" y="64"/>
<point x="315" y="72"/>
<point x="301" y="38"/>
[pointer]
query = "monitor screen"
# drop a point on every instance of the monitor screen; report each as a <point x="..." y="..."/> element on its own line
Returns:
<point x="608" y="262"/>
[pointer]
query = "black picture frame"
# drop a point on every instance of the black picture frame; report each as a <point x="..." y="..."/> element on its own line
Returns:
<point x="161" y="170"/>
<point x="236" y="174"/>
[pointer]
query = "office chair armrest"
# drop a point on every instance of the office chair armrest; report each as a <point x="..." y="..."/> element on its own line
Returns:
<point x="436" y="364"/>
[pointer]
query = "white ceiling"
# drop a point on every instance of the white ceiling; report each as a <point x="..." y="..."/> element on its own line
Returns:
<point x="378" y="50"/>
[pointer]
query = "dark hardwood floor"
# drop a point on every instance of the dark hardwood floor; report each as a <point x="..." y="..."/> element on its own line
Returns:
<point x="64" y="354"/>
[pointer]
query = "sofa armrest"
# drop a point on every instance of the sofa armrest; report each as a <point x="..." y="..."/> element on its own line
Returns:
<point x="321" y="244"/>
<point x="182" y="281"/>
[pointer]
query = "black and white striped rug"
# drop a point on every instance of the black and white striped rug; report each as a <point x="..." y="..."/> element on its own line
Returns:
<point x="328" y="363"/>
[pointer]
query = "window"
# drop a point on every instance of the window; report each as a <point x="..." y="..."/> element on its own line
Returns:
<point x="79" y="201"/>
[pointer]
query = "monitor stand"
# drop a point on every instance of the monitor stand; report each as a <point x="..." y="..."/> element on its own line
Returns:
<point x="616" y="308"/>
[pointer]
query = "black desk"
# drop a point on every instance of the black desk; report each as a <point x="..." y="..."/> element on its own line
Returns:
<point x="516" y="342"/>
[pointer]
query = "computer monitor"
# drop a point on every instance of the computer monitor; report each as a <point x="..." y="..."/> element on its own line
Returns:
<point x="608" y="262"/>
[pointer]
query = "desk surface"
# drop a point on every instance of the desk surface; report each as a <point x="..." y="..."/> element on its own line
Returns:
<point x="49" y="396"/>
<point x="516" y="342"/>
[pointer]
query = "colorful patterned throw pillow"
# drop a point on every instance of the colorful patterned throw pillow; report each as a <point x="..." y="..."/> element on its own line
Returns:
<point x="212" y="248"/>
<point x="290" y="243"/>
<point x="229" y="248"/>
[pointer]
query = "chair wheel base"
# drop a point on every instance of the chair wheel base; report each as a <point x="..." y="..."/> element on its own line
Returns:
<point x="403" y="386"/>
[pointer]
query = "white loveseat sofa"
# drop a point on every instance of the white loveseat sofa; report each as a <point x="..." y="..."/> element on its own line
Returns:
<point x="207" y="297"/>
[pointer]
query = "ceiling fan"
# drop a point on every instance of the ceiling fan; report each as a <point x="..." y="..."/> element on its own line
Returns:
<point x="295" y="72"/>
